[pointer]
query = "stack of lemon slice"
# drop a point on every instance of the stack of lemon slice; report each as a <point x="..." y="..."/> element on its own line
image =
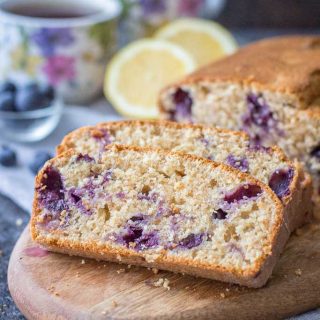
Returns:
<point x="137" y="73"/>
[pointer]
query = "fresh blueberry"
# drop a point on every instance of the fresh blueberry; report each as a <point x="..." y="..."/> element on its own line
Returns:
<point x="47" y="91"/>
<point x="7" y="101"/>
<point x="29" y="98"/>
<point x="31" y="86"/>
<point x="39" y="160"/>
<point x="8" y="87"/>
<point x="8" y="157"/>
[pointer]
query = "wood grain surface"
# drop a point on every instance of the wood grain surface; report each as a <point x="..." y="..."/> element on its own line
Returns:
<point x="54" y="286"/>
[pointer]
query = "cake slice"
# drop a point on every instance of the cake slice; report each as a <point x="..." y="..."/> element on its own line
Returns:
<point x="160" y="209"/>
<point x="270" y="89"/>
<point x="269" y="165"/>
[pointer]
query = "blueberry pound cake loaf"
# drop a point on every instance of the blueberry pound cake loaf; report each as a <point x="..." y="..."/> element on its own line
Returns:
<point x="268" y="165"/>
<point x="160" y="209"/>
<point x="270" y="89"/>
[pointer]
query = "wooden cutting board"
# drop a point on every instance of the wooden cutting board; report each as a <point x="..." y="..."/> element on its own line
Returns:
<point x="54" y="286"/>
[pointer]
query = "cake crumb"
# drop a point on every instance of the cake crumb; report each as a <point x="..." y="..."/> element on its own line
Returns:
<point x="83" y="261"/>
<point x="159" y="282"/>
<point x="222" y="295"/>
<point x="119" y="257"/>
<point x="298" y="272"/>
<point x="155" y="270"/>
<point x="162" y="282"/>
<point x="129" y="266"/>
<point x="114" y="303"/>
<point x="166" y="284"/>
<point x="121" y="271"/>
<point x="19" y="222"/>
<point x="227" y="289"/>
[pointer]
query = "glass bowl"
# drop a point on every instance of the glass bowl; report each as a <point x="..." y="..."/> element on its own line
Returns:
<point x="30" y="126"/>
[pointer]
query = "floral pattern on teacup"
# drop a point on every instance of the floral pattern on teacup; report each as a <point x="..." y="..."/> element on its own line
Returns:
<point x="48" y="39"/>
<point x="59" y="68"/>
<point x="22" y="61"/>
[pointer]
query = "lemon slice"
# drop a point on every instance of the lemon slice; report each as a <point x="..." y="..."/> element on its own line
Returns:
<point x="205" y="40"/>
<point x="137" y="73"/>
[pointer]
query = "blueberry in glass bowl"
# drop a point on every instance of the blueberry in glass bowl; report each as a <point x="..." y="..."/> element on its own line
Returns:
<point x="28" y="112"/>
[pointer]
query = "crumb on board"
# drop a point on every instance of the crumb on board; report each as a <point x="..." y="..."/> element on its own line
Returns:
<point x="83" y="261"/>
<point x="121" y="271"/>
<point x="129" y="266"/>
<point x="187" y="287"/>
<point x="159" y="282"/>
<point x="227" y="289"/>
<point x="114" y="303"/>
<point x="119" y="257"/>
<point x="222" y="295"/>
<point x="162" y="282"/>
<point x="298" y="272"/>
<point x="166" y="284"/>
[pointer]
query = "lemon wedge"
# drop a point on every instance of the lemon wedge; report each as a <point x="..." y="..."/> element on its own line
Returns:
<point x="205" y="40"/>
<point x="137" y="73"/>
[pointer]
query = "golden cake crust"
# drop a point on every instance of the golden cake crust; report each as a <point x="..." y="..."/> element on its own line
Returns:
<point x="289" y="65"/>
<point x="255" y="276"/>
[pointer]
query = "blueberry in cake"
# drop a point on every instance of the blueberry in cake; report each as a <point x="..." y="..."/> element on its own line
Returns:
<point x="269" y="165"/>
<point x="160" y="209"/>
<point x="269" y="89"/>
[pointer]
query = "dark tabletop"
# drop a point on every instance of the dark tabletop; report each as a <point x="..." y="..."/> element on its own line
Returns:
<point x="12" y="222"/>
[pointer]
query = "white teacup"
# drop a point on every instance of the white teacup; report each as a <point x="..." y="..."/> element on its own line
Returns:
<point x="66" y="43"/>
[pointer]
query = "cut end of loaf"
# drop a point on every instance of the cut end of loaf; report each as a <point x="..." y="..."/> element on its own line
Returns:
<point x="175" y="211"/>
<point x="269" y="118"/>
